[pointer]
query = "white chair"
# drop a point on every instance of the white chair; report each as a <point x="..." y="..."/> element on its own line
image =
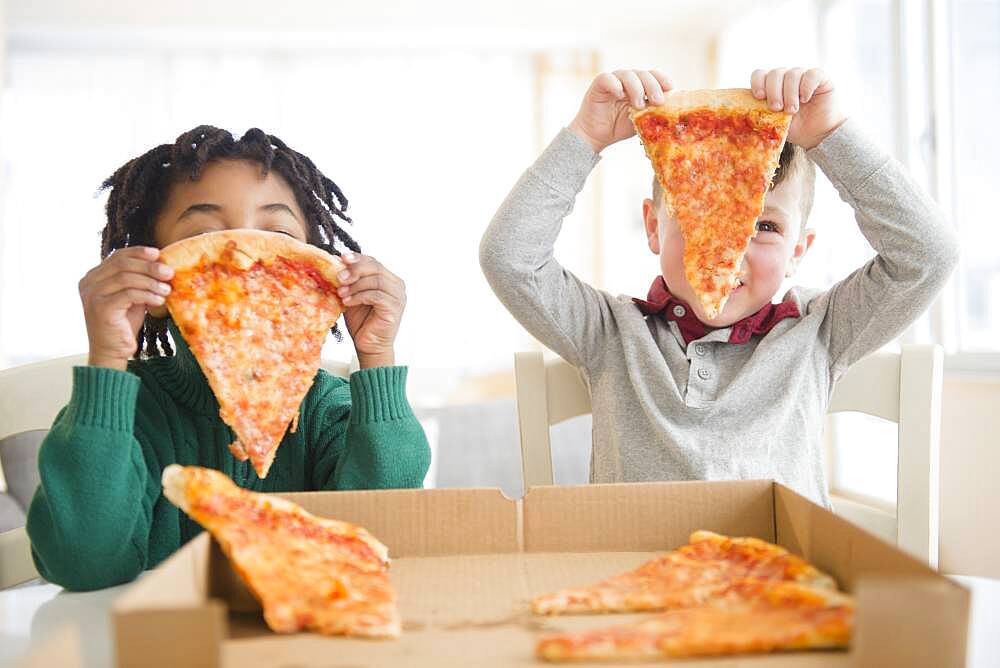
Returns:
<point x="338" y="368"/>
<point x="30" y="397"/>
<point x="903" y="388"/>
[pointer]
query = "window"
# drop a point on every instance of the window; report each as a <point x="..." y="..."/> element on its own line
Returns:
<point x="855" y="51"/>
<point x="421" y="188"/>
<point x="975" y="39"/>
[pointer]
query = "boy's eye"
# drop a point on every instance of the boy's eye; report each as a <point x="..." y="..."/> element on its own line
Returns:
<point x="767" y="226"/>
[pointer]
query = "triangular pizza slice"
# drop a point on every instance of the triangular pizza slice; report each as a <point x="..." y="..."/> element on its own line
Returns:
<point x="749" y="616"/>
<point x="255" y="308"/>
<point x="686" y="577"/>
<point x="309" y="573"/>
<point x="714" y="153"/>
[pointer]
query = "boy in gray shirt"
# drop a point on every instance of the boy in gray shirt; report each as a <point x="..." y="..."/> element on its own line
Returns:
<point x="680" y="396"/>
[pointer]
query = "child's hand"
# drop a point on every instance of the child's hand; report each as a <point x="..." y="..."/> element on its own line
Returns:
<point x="374" y="299"/>
<point x="115" y="295"/>
<point x="603" y="116"/>
<point x="806" y="93"/>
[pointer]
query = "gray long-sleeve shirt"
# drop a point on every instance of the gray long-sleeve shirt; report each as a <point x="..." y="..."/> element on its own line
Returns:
<point x="714" y="410"/>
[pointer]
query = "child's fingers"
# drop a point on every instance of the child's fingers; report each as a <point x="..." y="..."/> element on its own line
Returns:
<point x="757" y="84"/>
<point x="793" y="78"/>
<point x="123" y="299"/>
<point x="140" y="259"/>
<point x="773" y="86"/>
<point x="127" y="279"/>
<point x="633" y="87"/>
<point x="610" y="84"/>
<point x="139" y="266"/>
<point x="357" y="265"/>
<point x="382" y="281"/>
<point x="354" y="266"/>
<point x="665" y="83"/>
<point x="373" y="282"/>
<point x="378" y="299"/>
<point x="349" y="259"/>
<point x="651" y="87"/>
<point x="141" y="252"/>
<point x="811" y="81"/>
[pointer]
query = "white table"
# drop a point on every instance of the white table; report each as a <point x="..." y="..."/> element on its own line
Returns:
<point x="32" y="615"/>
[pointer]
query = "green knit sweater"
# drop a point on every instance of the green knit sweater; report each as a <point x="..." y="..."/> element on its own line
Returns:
<point x="99" y="518"/>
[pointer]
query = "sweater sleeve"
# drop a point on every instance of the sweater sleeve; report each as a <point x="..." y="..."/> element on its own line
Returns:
<point x="916" y="250"/>
<point x="364" y="433"/>
<point x="517" y="257"/>
<point x="90" y="518"/>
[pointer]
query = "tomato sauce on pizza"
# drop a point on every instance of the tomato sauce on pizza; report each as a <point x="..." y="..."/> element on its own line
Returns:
<point x="714" y="153"/>
<point x="716" y="595"/>
<point x="255" y="308"/>
<point x="308" y="572"/>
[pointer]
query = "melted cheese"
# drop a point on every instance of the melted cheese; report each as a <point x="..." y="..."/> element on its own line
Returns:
<point x="715" y="167"/>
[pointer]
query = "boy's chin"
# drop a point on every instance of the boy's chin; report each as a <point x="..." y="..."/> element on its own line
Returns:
<point x="722" y="320"/>
<point x="735" y="310"/>
<point x="157" y="311"/>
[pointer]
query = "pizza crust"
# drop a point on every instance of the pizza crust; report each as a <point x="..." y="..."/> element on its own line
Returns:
<point x="174" y="481"/>
<point x="739" y="99"/>
<point x="252" y="246"/>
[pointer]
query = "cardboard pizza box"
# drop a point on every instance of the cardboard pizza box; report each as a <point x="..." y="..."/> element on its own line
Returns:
<point x="467" y="561"/>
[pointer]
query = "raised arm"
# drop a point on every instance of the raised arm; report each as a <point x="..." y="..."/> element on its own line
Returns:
<point x="916" y="250"/>
<point x="516" y="252"/>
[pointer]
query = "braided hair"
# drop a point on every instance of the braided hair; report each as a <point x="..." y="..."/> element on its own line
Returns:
<point x="139" y="189"/>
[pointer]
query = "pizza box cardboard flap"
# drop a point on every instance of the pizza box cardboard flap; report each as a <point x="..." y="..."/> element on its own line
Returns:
<point x="467" y="561"/>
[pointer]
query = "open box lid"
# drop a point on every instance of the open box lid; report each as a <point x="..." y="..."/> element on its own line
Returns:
<point x="908" y="615"/>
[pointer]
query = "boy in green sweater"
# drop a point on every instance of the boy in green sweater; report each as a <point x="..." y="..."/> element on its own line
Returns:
<point x="98" y="517"/>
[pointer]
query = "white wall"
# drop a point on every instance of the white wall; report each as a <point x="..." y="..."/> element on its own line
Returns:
<point x="410" y="22"/>
<point x="128" y="95"/>
<point x="3" y="33"/>
<point x="757" y="40"/>
<point x="970" y="476"/>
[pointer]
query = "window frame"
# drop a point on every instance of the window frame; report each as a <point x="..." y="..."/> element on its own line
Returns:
<point x="924" y="43"/>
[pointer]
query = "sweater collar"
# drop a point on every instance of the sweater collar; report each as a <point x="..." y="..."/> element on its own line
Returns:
<point x="183" y="378"/>
<point x="660" y="302"/>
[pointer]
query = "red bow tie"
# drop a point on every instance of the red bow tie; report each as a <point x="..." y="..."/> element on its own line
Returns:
<point x="660" y="302"/>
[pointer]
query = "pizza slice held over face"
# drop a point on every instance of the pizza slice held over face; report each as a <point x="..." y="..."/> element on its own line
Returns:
<point x="255" y="308"/>
<point x="309" y="573"/>
<point x="714" y="153"/>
